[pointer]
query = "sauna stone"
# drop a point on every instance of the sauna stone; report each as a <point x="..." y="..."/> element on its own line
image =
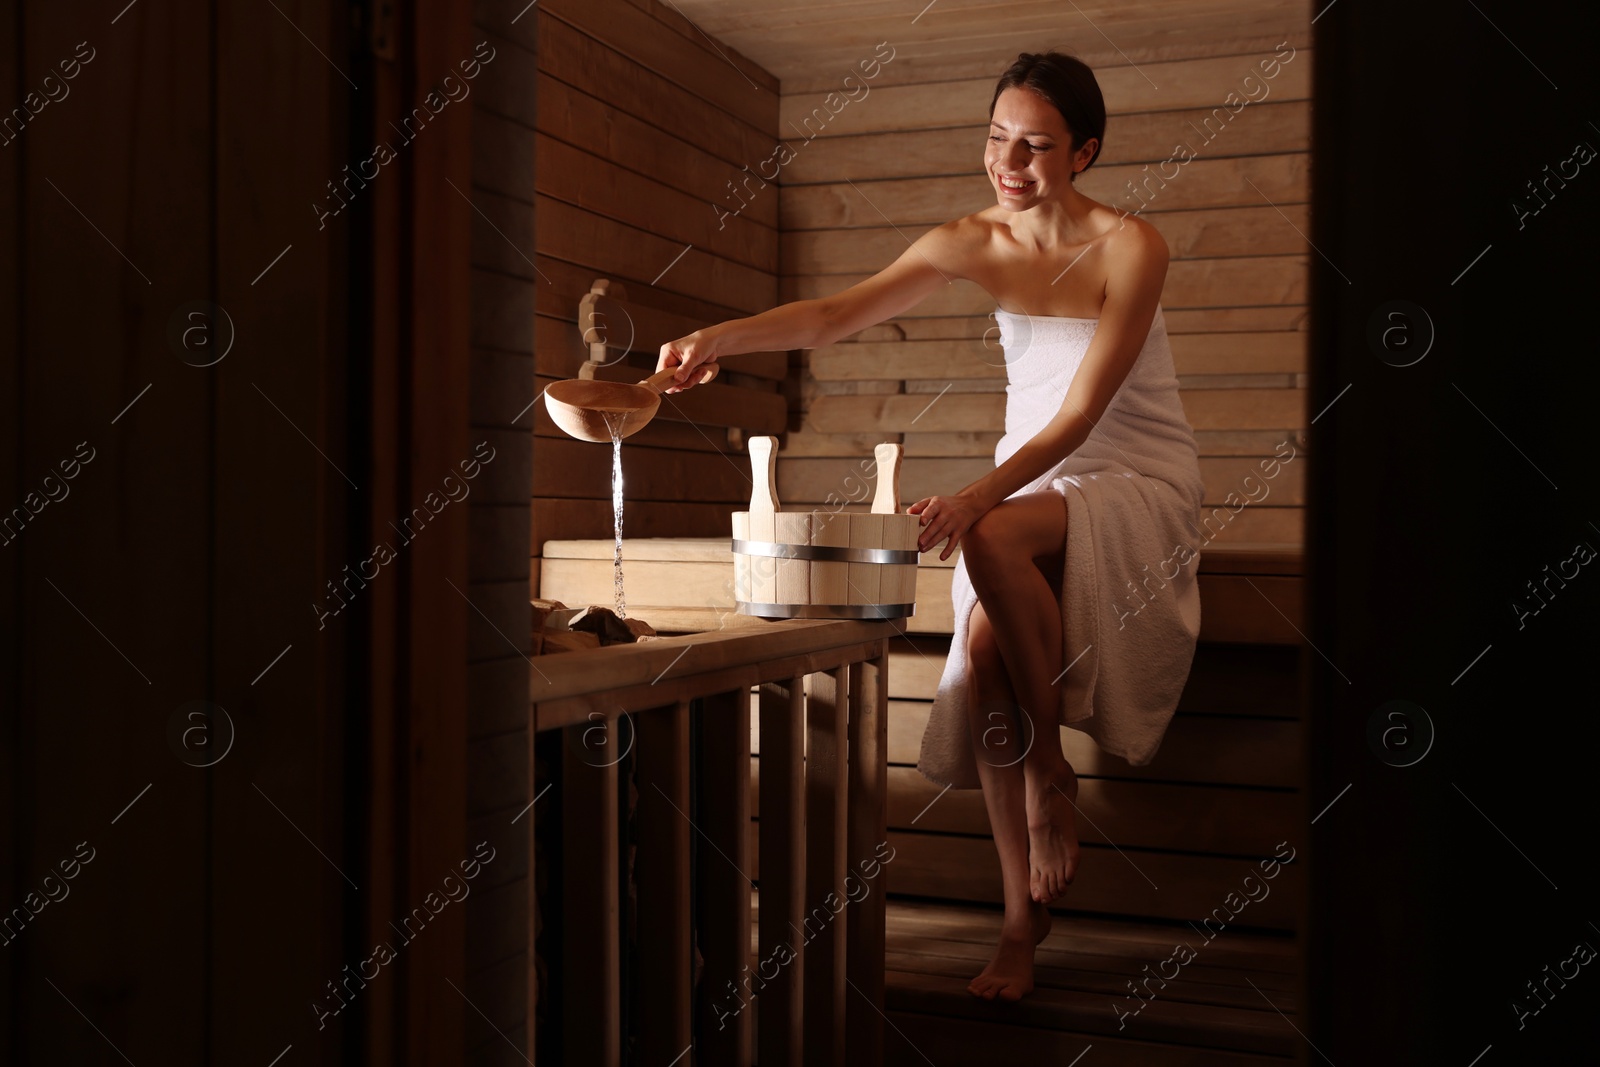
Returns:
<point x="609" y="626"/>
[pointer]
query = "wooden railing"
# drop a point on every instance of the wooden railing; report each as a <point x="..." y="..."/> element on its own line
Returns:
<point x="821" y="694"/>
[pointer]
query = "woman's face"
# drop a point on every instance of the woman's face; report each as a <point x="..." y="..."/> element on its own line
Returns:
<point x="1029" y="157"/>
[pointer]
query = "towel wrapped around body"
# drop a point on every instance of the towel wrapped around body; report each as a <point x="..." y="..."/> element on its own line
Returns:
<point x="1130" y="605"/>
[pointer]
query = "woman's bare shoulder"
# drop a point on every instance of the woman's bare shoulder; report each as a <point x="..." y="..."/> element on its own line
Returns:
<point x="1135" y="257"/>
<point x="1128" y="235"/>
<point x="965" y="240"/>
<point x="968" y="231"/>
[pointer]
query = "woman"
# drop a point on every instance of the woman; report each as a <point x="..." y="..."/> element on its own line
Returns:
<point x="1073" y="606"/>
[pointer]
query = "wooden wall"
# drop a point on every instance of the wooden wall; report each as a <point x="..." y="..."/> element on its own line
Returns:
<point x="904" y="158"/>
<point x="181" y="564"/>
<point x="500" y="916"/>
<point x="640" y="124"/>
<point x="225" y="499"/>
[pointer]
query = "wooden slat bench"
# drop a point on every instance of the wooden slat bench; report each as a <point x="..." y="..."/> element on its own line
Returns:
<point x="1251" y="592"/>
<point x="1163" y="845"/>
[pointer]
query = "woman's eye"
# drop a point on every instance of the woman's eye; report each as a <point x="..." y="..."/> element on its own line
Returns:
<point x="992" y="137"/>
<point x="1039" y="147"/>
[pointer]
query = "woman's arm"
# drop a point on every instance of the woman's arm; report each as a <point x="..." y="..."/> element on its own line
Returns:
<point x="1136" y="272"/>
<point x="932" y="260"/>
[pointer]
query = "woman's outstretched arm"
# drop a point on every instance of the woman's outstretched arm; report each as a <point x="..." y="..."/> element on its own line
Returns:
<point x="934" y="259"/>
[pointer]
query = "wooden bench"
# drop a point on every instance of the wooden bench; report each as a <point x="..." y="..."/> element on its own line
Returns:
<point x="1251" y="593"/>
<point x="1163" y="846"/>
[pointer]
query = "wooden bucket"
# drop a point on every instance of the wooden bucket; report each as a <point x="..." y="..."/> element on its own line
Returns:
<point x="824" y="564"/>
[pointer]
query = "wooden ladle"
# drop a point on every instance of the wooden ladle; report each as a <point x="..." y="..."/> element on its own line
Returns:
<point x="581" y="406"/>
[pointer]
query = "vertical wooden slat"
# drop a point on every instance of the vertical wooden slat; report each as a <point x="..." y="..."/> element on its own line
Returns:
<point x="133" y="144"/>
<point x="829" y="583"/>
<point x="793" y="585"/>
<point x="868" y="831"/>
<point x="900" y="531"/>
<point x="435" y="309"/>
<point x="663" y="883"/>
<point x="723" y="914"/>
<point x="14" y="768"/>
<point x="593" y="998"/>
<point x="311" y="377"/>
<point x="743" y="585"/>
<point x="782" y="866"/>
<point x="385" y="669"/>
<point x="866" y="531"/>
<point x="824" y="924"/>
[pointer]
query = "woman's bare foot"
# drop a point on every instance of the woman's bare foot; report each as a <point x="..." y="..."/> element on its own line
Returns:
<point x="1009" y="975"/>
<point x="1052" y="833"/>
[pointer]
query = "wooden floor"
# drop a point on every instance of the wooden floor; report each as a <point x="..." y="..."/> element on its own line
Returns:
<point x="1232" y="1002"/>
<point x="1221" y="1008"/>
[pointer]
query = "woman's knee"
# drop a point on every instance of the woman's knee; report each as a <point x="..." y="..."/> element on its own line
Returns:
<point x="984" y="540"/>
<point x="1014" y="532"/>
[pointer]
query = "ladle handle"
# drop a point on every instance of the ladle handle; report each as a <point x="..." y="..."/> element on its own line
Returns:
<point x="659" y="381"/>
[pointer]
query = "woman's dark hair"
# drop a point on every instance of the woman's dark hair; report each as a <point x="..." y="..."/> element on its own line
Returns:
<point x="1068" y="84"/>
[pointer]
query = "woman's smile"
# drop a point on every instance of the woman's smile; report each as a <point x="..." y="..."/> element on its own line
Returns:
<point x="1010" y="186"/>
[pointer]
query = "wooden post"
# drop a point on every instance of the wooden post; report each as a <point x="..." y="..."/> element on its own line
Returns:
<point x="723" y="921"/>
<point x="868" y="833"/>
<point x="665" y="955"/>
<point x="825" y="921"/>
<point x="782" y="864"/>
<point x="593" y="995"/>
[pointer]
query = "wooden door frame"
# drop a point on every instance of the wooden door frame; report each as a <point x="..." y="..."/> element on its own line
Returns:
<point x="419" y="315"/>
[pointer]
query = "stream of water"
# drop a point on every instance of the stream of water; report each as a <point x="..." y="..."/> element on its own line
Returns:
<point x="614" y="423"/>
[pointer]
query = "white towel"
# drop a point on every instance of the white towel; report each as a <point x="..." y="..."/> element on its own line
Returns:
<point x="1130" y="606"/>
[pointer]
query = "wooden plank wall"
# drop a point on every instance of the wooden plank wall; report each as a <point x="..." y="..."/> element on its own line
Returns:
<point x="179" y="559"/>
<point x="905" y="158"/>
<point x="641" y="123"/>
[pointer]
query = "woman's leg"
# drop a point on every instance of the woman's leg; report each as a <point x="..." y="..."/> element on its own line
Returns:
<point x="999" y="744"/>
<point x="1013" y="555"/>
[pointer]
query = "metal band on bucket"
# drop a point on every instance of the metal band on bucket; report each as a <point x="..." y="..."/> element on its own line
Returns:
<point x="827" y="611"/>
<point x="825" y="553"/>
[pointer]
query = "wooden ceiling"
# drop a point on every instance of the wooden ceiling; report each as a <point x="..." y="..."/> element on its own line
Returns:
<point x="809" y="46"/>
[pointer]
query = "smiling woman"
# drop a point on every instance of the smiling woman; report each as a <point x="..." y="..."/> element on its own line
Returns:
<point x="1096" y="474"/>
<point x="1066" y="86"/>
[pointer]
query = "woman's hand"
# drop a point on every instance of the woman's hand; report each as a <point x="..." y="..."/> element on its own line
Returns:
<point x="687" y="353"/>
<point x="945" y="518"/>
